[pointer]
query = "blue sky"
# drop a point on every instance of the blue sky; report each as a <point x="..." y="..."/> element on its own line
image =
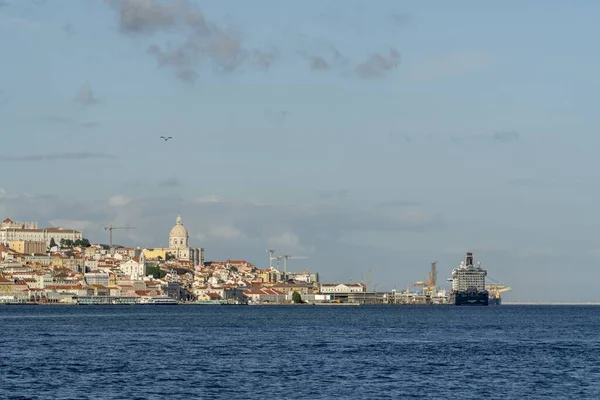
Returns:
<point x="365" y="135"/>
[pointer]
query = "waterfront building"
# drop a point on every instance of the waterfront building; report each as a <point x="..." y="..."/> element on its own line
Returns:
<point x="342" y="288"/>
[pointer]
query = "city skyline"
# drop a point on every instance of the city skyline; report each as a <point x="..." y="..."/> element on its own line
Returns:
<point x="366" y="137"/>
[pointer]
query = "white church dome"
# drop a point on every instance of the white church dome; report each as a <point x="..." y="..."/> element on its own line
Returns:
<point x="179" y="230"/>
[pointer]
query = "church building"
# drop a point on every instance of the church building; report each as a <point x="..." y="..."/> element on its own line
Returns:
<point x="179" y="245"/>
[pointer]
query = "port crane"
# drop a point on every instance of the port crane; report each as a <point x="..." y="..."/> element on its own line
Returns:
<point x="496" y="288"/>
<point x="285" y="258"/>
<point x="429" y="287"/>
<point x="110" y="232"/>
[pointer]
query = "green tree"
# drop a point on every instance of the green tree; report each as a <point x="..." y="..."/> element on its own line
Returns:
<point x="52" y="243"/>
<point x="156" y="272"/>
<point x="296" y="298"/>
<point x="63" y="242"/>
<point x="85" y="243"/>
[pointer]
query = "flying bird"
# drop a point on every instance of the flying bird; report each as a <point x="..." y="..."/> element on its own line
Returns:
<point x="166" y="138"/>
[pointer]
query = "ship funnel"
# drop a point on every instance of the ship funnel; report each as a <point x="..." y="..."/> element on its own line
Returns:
<point x="469" y="259"/>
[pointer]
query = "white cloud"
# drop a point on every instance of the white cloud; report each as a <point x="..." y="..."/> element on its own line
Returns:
<point x="289" y="242"/>
<point x="119" y="201"/>
<point x="80" y="225"/>
<point x="226" y="232"/>
<point x="284" y="239"/>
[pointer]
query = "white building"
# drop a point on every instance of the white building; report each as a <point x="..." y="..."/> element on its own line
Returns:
<point x="342" y="288"/>
<point x="28" y="231"/>
<point x="179" y="245"/>
<point x="134" y="268"/>
<point x="10" y="224"/>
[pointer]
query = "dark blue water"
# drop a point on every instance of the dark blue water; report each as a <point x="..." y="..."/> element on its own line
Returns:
<point x="245" y="352"/>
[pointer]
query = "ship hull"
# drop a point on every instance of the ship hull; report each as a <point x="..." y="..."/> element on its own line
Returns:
<point x="495" y="301"/>
<point x="469" y="298"/>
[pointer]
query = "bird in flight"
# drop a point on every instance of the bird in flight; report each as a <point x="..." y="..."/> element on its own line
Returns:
<point x="166" y="138"/>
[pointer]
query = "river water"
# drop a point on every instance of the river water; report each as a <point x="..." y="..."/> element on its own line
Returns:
<point x="299" y="352"/>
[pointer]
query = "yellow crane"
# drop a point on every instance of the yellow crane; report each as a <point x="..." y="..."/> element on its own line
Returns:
<point x="495" y="291"/>
<point x="429" y="287"/>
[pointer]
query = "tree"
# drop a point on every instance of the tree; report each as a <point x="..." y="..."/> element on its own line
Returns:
<point x="63" y="242"/>
<point x="85" y="243"/>
<point x="52" y="243"/>
<point x="297" y="298"/>
<point x="156" y="272"/>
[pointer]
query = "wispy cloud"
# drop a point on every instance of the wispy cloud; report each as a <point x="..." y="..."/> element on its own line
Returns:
<point x="276" y="115"/>
<point x="504" y="137"/>
<point x="400" y="19"/>
<point x="119" y="201"/>
<point x="170" y="182"/>
<point x="266" y="58"/>
<point x="68" y="29"/>
<point x="206" y="40"/>
<point x="320" y="62"/>
<point x="85" y="96"/>
<point x="57" y="156"/>
<point x="220" y="46"/>
<point x="378" y="65"/>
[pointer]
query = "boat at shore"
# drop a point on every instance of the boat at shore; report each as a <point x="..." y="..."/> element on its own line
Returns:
<point x="157" y="300"/>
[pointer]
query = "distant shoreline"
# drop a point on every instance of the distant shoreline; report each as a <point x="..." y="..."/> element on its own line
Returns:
<point x="317" y="304"/>
<point x="549" y="303"/>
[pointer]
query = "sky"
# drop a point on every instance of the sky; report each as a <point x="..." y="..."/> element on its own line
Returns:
<point x="364" y="136"/>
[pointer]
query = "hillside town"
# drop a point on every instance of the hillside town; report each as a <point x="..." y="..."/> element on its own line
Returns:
<point x="60" y="266"/>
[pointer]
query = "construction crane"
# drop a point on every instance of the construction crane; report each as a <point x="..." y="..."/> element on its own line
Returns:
<point x="271" y="258"/>
<point x="110" y="232"/>
<point x="429" y="287"/>
<point x="285" y="258"/>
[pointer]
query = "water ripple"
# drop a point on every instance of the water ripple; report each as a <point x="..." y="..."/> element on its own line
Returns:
<point x="506" y="352"/>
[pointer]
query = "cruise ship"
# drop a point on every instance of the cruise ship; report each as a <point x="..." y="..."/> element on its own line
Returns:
<point x="468" y="284"/>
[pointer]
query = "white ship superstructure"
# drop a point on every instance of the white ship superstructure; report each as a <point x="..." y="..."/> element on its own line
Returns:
<point x="468" y="277"/>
